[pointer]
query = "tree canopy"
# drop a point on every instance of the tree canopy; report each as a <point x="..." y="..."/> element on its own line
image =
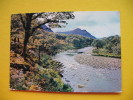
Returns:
<point x="30" y="22"/>
<point x="99" y="43"/>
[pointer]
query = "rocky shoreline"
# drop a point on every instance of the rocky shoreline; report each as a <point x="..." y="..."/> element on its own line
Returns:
<point x="87" y="73"/>
<point x="98" y="61"/>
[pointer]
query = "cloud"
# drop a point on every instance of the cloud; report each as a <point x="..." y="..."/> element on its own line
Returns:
<point x="97" y="16"/>
<point x="103" y="30"/>
<point x="98" y="23"/>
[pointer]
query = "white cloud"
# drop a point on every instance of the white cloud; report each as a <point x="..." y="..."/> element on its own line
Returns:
<point x="98" y="23"/>
<point x="98" y="16"/>
<point x="103" y="30"/>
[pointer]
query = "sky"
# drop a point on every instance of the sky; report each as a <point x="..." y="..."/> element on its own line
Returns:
<point x="98" y="23"/>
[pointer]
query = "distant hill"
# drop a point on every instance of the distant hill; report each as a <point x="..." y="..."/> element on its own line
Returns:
<point x="44" y="27"/>
<point x="78" y="31"/>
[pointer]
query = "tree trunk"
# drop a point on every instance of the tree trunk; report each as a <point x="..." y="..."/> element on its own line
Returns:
<point x="39" y="55"/>
<point x="33" y="40"/>
<point x="28" y="32"/>
<point x="25" y="45"/>
<point x="15" y="39"/>
<point x="18" y="39"/>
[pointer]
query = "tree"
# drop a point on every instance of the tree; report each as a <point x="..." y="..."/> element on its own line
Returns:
<point x="116" y="49"/>
<point x="77" y="43"/>
<point x="32" y="21"/>
<point x="109" y="46"/>
<point x="98" y="43"/>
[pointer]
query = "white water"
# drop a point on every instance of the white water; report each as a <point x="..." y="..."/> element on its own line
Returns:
<point x="90" y="79"/>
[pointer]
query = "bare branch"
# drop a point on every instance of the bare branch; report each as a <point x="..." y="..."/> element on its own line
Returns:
<point x="37" y="16"/>
<point x="48" y="20"/>
<point x="21" y="18"/>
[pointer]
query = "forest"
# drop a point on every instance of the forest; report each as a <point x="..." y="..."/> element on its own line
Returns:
<point x="31" y="65"/>
<point x="109" y="46"/>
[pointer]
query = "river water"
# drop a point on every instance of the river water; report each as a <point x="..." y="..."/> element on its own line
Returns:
<point x="83" y="78"/>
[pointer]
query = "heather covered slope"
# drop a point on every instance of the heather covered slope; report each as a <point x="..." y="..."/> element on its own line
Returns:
<point x="38" y="72"/>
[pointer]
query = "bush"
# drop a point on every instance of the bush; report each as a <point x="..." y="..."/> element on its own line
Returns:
<point x="43" y="80"/>
<point x="95" y="51"/>
<point x="116" y="49"/>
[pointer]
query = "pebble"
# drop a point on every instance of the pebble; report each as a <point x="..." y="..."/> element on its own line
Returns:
<point x="98" y="61"/>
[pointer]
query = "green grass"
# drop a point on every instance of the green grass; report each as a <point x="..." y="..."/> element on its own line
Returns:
<point x="107" y="55"/>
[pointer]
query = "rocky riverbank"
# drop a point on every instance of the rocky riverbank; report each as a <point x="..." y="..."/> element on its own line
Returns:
<point x="98" y="61"/>
<point x="86" y="73"/>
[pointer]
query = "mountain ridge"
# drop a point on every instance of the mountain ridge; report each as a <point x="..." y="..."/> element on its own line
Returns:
<point x="78" y="31"/>
<point x="44" y="27"/>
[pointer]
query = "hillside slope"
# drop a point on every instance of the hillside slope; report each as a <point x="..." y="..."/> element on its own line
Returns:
<point x="78" y="31"/>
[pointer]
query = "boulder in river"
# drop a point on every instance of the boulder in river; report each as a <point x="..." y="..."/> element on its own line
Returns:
<point x="81" y="86"/>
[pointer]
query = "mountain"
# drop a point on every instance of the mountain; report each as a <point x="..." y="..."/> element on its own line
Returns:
<point x="44" y="27"/>
<point x="78" y="31"/>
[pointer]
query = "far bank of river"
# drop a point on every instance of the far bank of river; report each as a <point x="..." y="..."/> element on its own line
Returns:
<point x="87" y="73"/>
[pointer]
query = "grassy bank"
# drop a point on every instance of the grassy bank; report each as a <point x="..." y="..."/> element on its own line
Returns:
<point x="107" y="47"/>
<point x="102" y="52"/>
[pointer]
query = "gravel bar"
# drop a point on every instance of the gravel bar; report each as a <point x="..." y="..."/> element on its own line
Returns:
<point x="98" y="61"/>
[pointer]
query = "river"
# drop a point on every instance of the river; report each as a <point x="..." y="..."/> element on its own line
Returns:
<point x="84" y="78"/>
